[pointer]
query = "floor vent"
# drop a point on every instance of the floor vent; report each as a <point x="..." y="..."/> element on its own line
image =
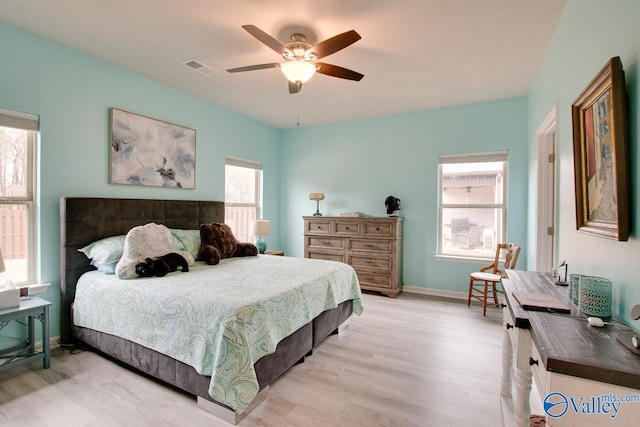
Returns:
<point x="199" y="67"/>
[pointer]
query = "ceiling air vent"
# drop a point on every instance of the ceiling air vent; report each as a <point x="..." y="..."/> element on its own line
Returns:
<point x="199" y="67"/>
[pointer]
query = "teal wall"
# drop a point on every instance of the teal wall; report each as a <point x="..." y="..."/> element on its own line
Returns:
<point x="73" y="92"/>
<point x="358" y="164"/>
<point x="590" y="32"/>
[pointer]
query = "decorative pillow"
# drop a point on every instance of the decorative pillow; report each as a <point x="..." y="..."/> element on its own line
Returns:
<point x="105" y="251"/>
<point x="109" y="268"/>
<point x="146" y="241"/>
<point x="187" y="240"/>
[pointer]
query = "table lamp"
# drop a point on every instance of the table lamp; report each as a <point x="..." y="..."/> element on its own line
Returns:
<point x="560" y="281"/>
<point x="317" y="197"/>
<point x="261" y="228"/>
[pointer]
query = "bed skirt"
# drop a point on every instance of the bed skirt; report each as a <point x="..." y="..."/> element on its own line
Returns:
<point x="289" y="351"/>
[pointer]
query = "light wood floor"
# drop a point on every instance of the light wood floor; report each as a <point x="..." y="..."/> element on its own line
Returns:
<point x="410" y="361"/>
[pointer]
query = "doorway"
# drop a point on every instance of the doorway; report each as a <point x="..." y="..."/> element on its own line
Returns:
<point x="546" y="196"/>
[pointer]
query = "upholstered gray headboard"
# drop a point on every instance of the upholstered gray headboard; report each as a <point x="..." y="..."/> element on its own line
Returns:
<point x="86" y="219"/>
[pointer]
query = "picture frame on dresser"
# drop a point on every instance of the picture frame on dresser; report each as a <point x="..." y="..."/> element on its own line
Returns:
<point x="601" y="155"/>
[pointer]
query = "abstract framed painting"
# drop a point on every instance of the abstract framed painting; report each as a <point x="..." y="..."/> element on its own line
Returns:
<point x="601" y="155"/>
<point x="146" y="151"/>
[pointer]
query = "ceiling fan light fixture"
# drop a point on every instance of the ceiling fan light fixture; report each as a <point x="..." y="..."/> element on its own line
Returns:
<point x="298" y="70"/>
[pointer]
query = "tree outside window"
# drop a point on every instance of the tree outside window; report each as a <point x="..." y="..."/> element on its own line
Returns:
<point x="17" y="176"/>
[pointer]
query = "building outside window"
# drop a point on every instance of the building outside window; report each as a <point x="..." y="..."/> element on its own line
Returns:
<point x="242" y="196"/>
<point x="18" y="136"/>
<point x="472" y="204"/>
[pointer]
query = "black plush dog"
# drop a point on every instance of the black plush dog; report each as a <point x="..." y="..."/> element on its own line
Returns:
<point x="160" y="266"/>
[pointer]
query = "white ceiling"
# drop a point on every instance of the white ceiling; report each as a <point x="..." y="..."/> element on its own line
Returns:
<point x="415" y="54"/>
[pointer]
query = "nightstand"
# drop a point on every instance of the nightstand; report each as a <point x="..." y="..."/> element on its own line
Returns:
<point x="278" y="253"/>
<point x="32" y="308"/>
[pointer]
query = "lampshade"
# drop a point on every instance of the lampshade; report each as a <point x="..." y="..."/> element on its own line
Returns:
<point x="2" y="269"/>
<point x="298" y="70"/>
<point x="316" y="196"/>
<point x="260" y="227"/>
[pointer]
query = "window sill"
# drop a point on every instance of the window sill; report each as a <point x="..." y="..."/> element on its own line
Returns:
<point x="462" y="259"/>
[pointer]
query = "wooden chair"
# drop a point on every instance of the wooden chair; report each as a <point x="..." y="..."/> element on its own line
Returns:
<point x="482" y="284"/>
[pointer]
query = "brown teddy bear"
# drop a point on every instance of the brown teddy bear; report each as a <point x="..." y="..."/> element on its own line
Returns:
<point x="218" y="242"/>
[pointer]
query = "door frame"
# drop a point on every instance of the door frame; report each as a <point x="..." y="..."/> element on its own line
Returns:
<point x="546" y="193"/>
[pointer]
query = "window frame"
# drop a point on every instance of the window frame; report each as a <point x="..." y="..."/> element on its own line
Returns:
<point x="257" y="203"/>
<point x="498" y="156"/>
<point x="31" y="124"/>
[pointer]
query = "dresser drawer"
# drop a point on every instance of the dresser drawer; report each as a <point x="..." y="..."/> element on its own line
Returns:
<point x="373" y="279"/>
<point x="348" y="228"/>
<point x="318" y="226"/>
<point x="540" y="374"/>
<point x="329" y="257"/>
<point x="379" y="229"/>
<point x="520" y="339"/>
<point x="325" y="242"/>
<point x="382" y="246"/>
<point x="364" y="262"/>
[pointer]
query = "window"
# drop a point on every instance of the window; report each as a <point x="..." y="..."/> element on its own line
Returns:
<point x="242" y="196"/>
<point x="472" y="204"/>
<point x="18" y="134"/>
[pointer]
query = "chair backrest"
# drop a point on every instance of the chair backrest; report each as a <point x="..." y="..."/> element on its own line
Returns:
<point x="509" y="252"/>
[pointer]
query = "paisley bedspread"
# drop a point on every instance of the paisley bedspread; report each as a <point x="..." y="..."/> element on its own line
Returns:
<point x="218" y="319"/>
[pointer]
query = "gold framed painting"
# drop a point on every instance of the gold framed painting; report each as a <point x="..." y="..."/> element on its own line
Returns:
<point x="601" y="155"/>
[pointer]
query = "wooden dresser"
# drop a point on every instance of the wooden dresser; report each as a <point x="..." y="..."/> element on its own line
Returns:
<point x="371" y="245"/>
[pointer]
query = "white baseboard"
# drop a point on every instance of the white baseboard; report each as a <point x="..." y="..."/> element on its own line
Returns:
<point x="435" y="292"/>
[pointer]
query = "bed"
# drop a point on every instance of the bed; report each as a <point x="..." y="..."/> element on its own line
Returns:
<point x="230" y="396"/>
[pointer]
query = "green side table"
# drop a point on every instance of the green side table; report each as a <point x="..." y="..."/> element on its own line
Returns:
<point x="31" y="308"/>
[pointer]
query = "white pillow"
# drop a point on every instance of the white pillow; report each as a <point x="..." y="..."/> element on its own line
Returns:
<point x="105" y="251"/>
<point x="146" y="241"/>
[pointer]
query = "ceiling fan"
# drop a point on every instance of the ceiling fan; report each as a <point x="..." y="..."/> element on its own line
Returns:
<point x="300" y="57"/>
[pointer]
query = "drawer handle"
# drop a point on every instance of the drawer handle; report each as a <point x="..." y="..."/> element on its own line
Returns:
<point x="369" y="246"/>
<point x="503" y="305"/>
<point x="346" y="228"/>
<point x="377" y="228"/>
<point x="327" y="244"/>
<point x="369" y="262"/>
<point x="319" y="227"/>
<point x="532" y="361"/>
<point x="509" y="326"/>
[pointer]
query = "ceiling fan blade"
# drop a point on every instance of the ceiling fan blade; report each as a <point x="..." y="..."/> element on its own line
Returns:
<point x="335" y="71"/>
<point x="254" y="67"/>
<point x="294" y="87"/>
<point x="266" y="39"/>
<point x="334" y="44"/>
